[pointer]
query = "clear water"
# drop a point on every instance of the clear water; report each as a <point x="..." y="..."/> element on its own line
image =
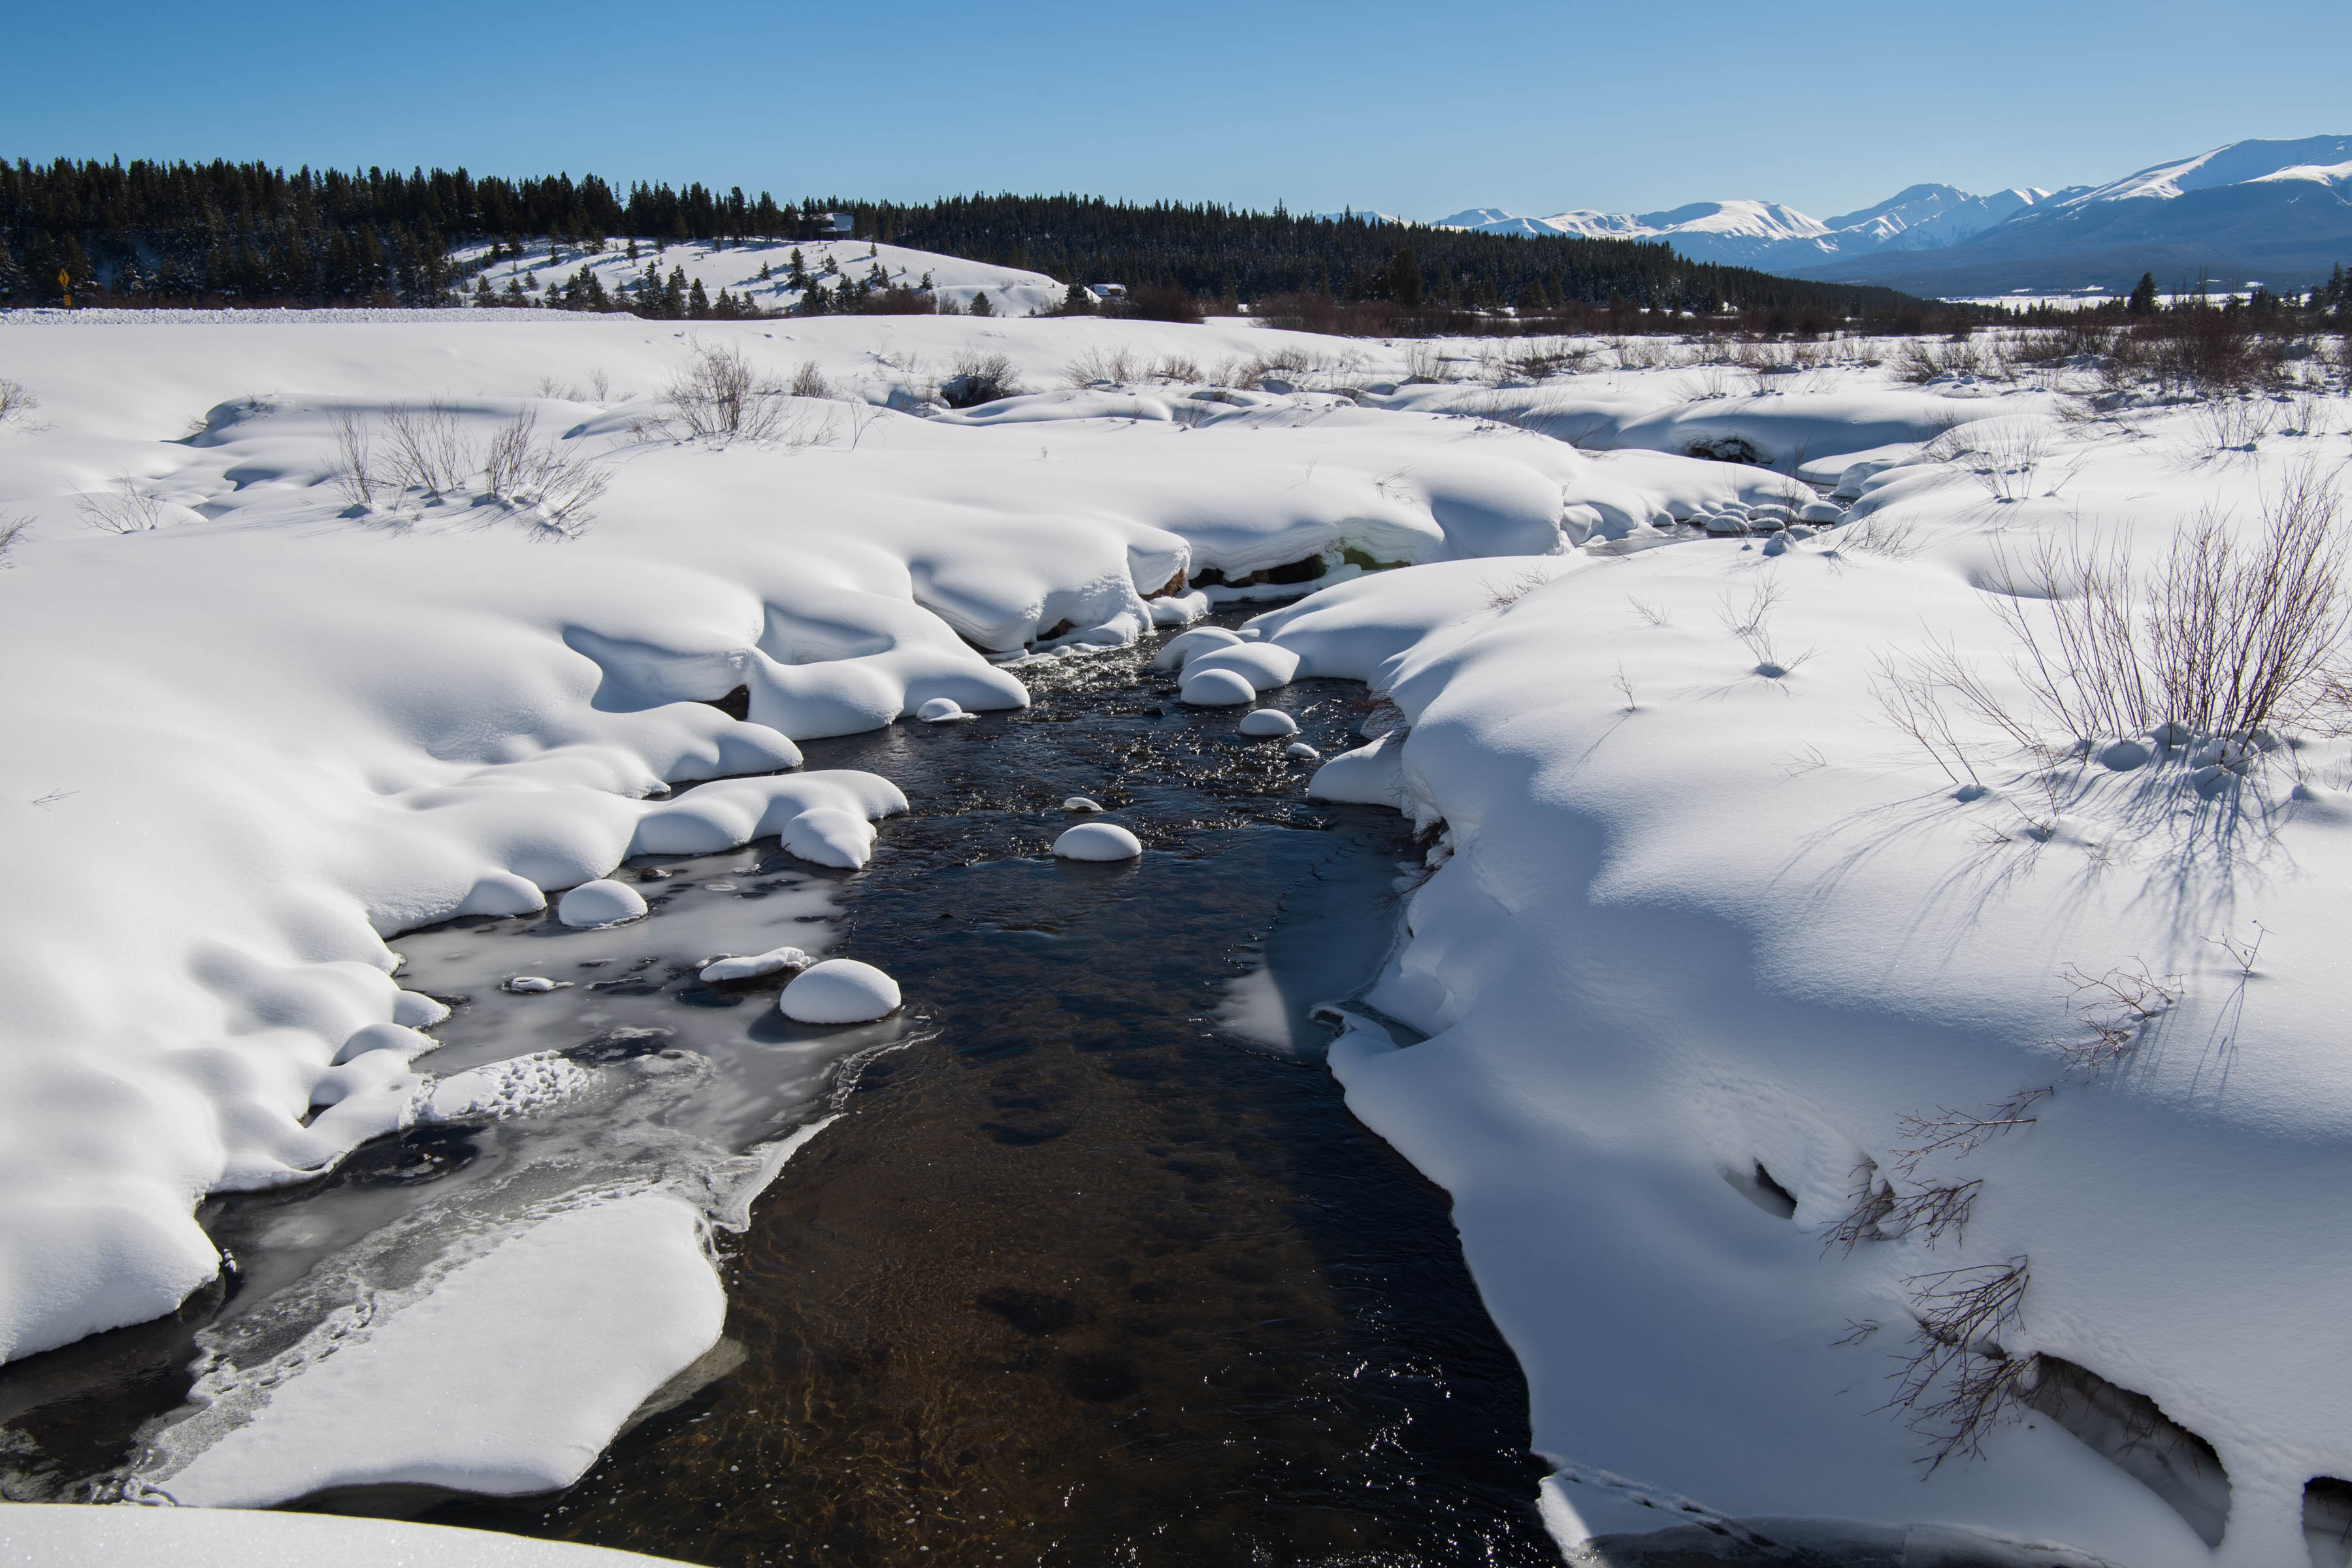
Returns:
<point x="1095" y="1267"/>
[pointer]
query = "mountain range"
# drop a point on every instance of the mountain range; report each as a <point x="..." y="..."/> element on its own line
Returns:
<point x="2274" y="211"/>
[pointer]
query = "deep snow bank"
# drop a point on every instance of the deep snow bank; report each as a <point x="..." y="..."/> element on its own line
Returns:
<point x="1708" y="927"/>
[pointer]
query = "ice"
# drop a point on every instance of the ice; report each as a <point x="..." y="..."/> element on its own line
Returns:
<point x="1081" y="803"/>
<point x="1268" y="722"/>
<point x="547" y="1340"/>
<point x="59" y="1535"/>
<point x="1302" y="751"/>
<point x="1217" y="689"/>
<point x="1098" y="841"/>
<point x="774" y="960"/>
<point x="531" y="982"/>
<point x="839" y="991"/>
<point x="516" y="1087"/>
<point x="600" y="902"/>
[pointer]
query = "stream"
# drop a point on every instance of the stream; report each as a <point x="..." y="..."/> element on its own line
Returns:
<point x="1092" y="1267"/>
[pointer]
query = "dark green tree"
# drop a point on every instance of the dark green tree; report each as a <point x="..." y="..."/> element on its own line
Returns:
<point x="2143" y="296"/>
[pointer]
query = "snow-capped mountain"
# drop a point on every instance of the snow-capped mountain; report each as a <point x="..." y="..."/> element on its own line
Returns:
<point x="1771" y="234"/>
<point x="2276" y="212"/>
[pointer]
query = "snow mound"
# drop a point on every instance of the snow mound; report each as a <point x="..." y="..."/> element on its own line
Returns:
<point x="601" y="902"/>
<point x="1081" y="803"/>
<point x="774" y="960"/>
<point x="1177" y="649"/>
<point x="839" y="991"/>
<point x="941" y="709"/>
<point x="515" y="1087"/>
<point x="1217" y="689"/>
<point x="1098" y="841"/>
<point x="77" y="1535"/>
<point x="1267" y="722"/>
<point x="551" y="1338"/>
<point x="528" y="985"/>
<point x="1263" y="664"/>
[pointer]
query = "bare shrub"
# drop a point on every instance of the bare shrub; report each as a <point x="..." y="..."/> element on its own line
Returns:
<point x="977" y="378"/>
<point x="1954" y="1135"/>
<point x="1101" y="366"/>
<point x="2237" y="635"/>
<point x="2230" y="425"/>
<point x="125" y="508"/>
<point x="2117" y="1007"/>
<point x="1538" y="359"/>
<point x="1177" y="367"/>
<point x="1924" y="361"/>
<point x="13" y="531"/>
<point x="1503" y="593"/>
<point x="1957" y="1382"/>
<point x="720" y="396"/>
<point x="2306" y="413"/>
<point x="526" y="472"/>
<point x="17" y="400"/>
<point x="1751" y="625"/>
<point x="2002" y="454"/>
<point x="1424" y="363"/>
<point x="353" y="473"/>
<point x="808" y="380"/>
<point x="1707" y="383"/>
<point x="429" y="451"/>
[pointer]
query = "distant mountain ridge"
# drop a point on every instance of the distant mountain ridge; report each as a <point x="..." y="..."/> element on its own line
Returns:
<point x="2274" y="211"/>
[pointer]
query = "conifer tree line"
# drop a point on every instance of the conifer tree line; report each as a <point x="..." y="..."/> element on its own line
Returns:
<point x="246" y="233"/>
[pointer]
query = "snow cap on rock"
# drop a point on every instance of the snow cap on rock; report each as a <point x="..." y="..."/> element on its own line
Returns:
<point x="1268" y="722"/>
<point x="1098" y="841"/>
<point x="599" y="903"/>
<point x="839" y="991"/>
<point x="939" y="710"/>
<point x="1217" y="689"/>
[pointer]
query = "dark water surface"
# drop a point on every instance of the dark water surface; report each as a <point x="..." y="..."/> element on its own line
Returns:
<point x="1080" y="1275"/>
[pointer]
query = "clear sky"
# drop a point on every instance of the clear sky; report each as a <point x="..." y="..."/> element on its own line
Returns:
<point x="1420" y="109"/>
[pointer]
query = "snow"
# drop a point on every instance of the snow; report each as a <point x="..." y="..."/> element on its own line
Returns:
<point x="939" y="710"/>
<point x="1098" y="841"/>
<point x="719" y="971"/>
<point x="60" y="1535"/>
<point x="1268" y="722"/>
<point x="1682" y="918"/>
<point x="1081" y="803"/>
<point x="839" y="991"/>
<point x="600" y="902"/>
<point x="550" y="1338"/>
<point x="1217" y="689"/>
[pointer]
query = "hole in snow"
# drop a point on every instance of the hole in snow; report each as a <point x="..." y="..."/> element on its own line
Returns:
<point x="736" y="704"/>
<point x="2328" y="1521"/>
<point x="2130" y="1432"/>
<point x="1758" y="1188"/>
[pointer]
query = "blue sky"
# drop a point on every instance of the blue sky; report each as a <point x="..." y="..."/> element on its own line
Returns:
<point x="1420" y="109"/>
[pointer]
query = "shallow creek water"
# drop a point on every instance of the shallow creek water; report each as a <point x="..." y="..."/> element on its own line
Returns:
<point x="1094" y="1267"/>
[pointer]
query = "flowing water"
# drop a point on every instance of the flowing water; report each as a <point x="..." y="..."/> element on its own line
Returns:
<point x="1094" y="1267"/>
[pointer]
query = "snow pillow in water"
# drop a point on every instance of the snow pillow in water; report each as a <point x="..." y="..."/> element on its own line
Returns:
<point x="753" y="965"/>
<point x="1217" y="689"/>
<point x="1098" y="841"/>
<point x="1263" y="664"/>
<point x="600" y="903"/>
<point x="839" y="991"/>
<point x="1269" y="721"/>
<point x="939" y="710"/>
<point x="1191" y="645"/>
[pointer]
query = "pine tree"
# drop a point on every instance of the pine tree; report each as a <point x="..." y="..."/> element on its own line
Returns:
<point x="980" y="305"/>
<point x="2143" y="296"/>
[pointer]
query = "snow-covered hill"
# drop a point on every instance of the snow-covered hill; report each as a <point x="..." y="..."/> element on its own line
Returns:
<point x="761" y="271"/>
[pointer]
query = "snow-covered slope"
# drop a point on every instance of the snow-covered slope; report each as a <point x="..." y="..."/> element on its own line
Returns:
<point x="828" y="263"/>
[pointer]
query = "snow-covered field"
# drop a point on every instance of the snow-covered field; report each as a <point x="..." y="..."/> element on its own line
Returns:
<point x="1713" y="948"/>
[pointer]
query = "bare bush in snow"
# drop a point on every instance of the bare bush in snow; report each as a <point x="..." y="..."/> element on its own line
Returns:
<point x="12" y="529"/>
<point x="125" y="508"/>
<point x="2002" y="454"/>
<point x="1177" y="368"/>
<point x="2237" y="635"/>
<point x="17" y="400"/>
<point x="2231" y="425"/>
<point x="808" y="380"/>
<point x="1101" y="366"/>
<point x="1924" y="361"/>
<point x="354" y="473"/>
<point x="720" y="396"/>
<point x="429" y="451"/>
<point x="1958" y="1382"/>
<point x="526" y="472"/>
<point x="977" y="378"/>
<point x="1751" y="624"/>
